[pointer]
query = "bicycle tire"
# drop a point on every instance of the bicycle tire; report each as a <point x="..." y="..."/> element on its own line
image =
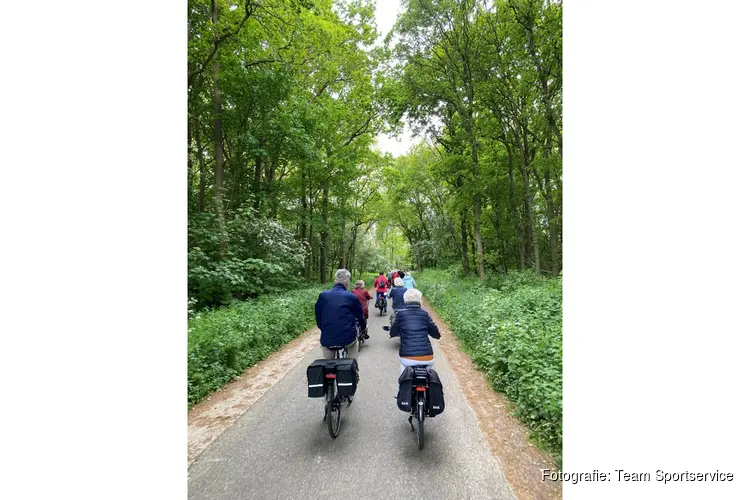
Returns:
<point x="333" y="427"/>
<point x="420" y="422"/>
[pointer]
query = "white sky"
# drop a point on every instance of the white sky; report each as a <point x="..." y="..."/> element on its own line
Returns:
<point x="386" y="12"/>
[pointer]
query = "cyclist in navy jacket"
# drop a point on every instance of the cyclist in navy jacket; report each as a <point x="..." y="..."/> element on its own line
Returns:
<point x="397" y="293"/>
<point x="337" y="313"/>
<point x="415" y="327"/>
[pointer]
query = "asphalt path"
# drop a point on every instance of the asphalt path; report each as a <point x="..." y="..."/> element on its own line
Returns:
<point x="281" y="449"/>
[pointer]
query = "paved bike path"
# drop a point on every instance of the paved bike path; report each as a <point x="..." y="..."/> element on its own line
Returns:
<point x="281" y="449"/>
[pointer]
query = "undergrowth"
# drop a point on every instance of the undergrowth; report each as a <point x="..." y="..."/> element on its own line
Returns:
<point x="225" y="342"/>
<point x="511" y="326"/>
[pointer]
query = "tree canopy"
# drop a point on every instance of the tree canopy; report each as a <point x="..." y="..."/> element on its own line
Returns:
<point x="286" y="98"/>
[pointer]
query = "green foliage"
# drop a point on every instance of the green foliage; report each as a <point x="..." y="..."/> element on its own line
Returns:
<point x="513" y="333"/>
<point x="225" y="342"/>
<point x="483" y="83"/>
<point x="261" y="257"/>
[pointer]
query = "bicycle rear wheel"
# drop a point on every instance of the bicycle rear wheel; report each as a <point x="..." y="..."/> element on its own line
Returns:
<point x="333" y="415"/>
<point x="420" y="421"/>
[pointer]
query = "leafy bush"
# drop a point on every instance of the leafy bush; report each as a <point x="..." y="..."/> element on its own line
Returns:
<point x="225" y="342"/>
<point x="261" y="257"/>
<point x="514" y="333"/>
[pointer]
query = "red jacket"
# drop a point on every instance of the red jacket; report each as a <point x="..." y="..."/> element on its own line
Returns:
<point x="363" y="296"/>
<point x="381" y="284"/>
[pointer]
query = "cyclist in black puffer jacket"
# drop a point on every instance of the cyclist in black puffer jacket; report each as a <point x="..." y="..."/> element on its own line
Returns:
<point x="415" y="327"/>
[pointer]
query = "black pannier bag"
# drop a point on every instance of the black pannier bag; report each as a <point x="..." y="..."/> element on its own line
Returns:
<point x="435" y="397"/>
<point x="316" y="381"/>
<point x="405" y="383"/>
<point x="346" y="377"/>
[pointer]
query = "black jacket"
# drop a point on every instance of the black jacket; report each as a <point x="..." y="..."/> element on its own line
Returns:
<point x="413" y="324"/>
<point x="397" y="294"/>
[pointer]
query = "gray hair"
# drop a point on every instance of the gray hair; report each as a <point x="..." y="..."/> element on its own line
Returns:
<point x="342" y="276"/>
<point x="413" y="295"/>
<point x="398" y="282"/>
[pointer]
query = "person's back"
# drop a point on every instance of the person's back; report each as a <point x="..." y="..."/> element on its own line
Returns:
<point x="337" y="313"/>
<point x="381" y="284"/>
<point x="415" y="327"/>
<point x="397" y="294"/>
<point x="363" y="296"/>
<point x="409" y="281"/>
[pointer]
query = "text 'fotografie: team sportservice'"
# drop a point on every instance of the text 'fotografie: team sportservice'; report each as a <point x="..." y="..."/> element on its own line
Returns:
<point x="627" y="476"/>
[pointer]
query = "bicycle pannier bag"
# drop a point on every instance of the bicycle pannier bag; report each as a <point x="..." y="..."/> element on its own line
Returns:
<point x="316" y="382"/>
<point x="405" y="382"/>
<point x="346" y="377"/>
<point x="435" y="397"/>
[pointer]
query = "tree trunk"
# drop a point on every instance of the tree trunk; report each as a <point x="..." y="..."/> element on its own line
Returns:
<point x="324" y="237"/>
<point x="474" y="253"/>
<point x="464" y="245"/>
<point x="190" y="165"/>
<point x="311" y="261"/>
<point x="303" y="219"/>
<point x="531" y="218"/>
<point x="256" y="182"/>
<point x="202" y="174"/>
<point x="477" y="196"/>
<point x="478" y="235"/>
<point x="514" y="211"/>
<point x="272" y="199"/>
<point x="551" y="219"/>
<point x="342" y="247"/>
<point x="218" y="147"/>
<point x="353" y="251"/>
<point x="498" y="231"/>
<point x="553" y="237"/>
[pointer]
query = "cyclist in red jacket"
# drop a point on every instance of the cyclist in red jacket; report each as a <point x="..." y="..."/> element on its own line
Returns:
<point x="363" y="296"/>
<point x="381" y="286"/>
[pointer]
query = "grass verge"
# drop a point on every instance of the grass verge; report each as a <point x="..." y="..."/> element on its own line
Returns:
<point x="225" y="342"/>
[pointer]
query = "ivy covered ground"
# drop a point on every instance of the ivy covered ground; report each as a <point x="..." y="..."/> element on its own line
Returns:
<point x="511" y="326"/>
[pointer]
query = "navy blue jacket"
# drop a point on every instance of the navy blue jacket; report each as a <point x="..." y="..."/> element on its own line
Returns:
<point x="413" y="324"/>
<point x="337" y="312"/>
<point x="397" y="294"/>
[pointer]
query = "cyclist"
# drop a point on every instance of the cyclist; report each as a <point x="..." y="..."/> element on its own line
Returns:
<point x="337" y="313"/>
<point x="397" y="294"/>
<point x="382" y="286"/>
<point x="363" y="296"/>
<point x="409" y="281"/>
<point x="414" y="325"/>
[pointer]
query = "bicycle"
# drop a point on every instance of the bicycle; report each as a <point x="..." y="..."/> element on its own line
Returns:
<point x="419" y="390"/>
<point x="334" y="402"/>
<point x="361" y="337"/>
<point x="381" y="303"/>
<point x="391" y="319"/>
